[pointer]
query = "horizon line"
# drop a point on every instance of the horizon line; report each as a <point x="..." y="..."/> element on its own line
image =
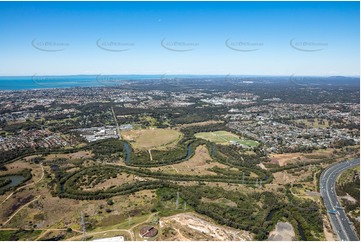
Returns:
<point x="195" y="75"/>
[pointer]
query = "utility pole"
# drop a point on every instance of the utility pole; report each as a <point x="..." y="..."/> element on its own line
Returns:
<point x="82" y="224"/>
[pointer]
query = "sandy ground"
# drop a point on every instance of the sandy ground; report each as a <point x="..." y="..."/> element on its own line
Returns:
<point x="261" y="165"/>
<point x="283" y="232"/>
<point x="189" y="226"/>
<point x="313" y="194"/>
<point x="349" y="198"/>
<point x="327" y="230"/>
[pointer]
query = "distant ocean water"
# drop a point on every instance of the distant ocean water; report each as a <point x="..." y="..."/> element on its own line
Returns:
<point x="41" y="82"/>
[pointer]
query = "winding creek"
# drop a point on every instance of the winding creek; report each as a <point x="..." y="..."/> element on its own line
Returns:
<point x="128" y="152"/>
<point x="301" y="232"/>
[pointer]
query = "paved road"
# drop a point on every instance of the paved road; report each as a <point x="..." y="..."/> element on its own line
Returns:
<point x="340" y="223"/>
<point x="116" y="123"/>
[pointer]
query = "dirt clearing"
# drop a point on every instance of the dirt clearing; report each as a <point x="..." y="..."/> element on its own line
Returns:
<point x="283" y="232"/>
<point x="189" y="226"/>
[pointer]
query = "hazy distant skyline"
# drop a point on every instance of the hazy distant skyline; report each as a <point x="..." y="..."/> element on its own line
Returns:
<point x="200" y="38"/>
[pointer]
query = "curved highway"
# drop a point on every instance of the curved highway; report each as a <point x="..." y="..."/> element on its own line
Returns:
<point x="339" y="220"/>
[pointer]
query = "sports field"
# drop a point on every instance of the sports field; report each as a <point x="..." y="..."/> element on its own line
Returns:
<point x="224" y="138"/>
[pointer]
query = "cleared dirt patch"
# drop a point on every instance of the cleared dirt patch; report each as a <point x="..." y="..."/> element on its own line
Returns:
<point x="349" y="198"/>
<point x="283" y="232"/>
<point x="189" y="226"/>
<point x="146" y="139"/>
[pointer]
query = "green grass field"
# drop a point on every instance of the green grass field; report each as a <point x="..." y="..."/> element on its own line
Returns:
<point x="224" y="138"/>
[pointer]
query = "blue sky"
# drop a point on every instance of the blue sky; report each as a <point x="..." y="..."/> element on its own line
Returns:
<point x="237" y="38"/>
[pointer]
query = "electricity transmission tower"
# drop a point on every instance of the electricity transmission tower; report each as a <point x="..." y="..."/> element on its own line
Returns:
<point x="82" y="223"/>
